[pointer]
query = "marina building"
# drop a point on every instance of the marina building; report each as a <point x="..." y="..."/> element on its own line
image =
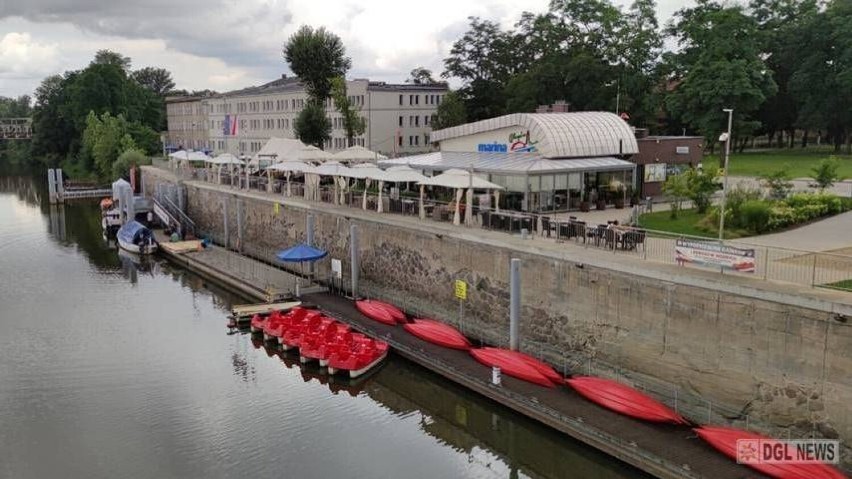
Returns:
<point x="398" y="117"/>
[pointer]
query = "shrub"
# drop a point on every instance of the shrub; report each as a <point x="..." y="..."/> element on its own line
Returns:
<point x="825" y="174"/>
<point x="754" y="215"/>
<point x="733" y="204"/>
<point x="129" y="158"/>
<point x="778" y="182"/>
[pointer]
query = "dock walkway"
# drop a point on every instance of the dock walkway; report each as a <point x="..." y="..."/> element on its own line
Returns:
<point x="662" y="450"/>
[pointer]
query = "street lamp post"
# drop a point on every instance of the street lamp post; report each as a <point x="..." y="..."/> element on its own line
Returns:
<point x="727" y="139"/>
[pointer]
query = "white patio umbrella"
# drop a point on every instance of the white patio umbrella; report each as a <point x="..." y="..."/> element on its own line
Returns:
<point x="221" y="160"/>
<point x="311" y="153"/>
<point x="367" y="172"/>
<point x="289" y="167"/>
<point x="460" y="180"/>
<point x="334" y="169"/>
<point x="356" y="154"/>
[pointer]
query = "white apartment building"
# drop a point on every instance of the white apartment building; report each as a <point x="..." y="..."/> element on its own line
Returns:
<point x="398" y="117"/>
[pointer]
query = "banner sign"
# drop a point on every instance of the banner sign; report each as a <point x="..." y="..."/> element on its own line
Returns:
<point x="713" y="254"/>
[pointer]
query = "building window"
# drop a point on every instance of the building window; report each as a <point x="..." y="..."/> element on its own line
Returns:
<point x="425" y="139"/>
<point x="399" y="140"/>
<point x="400" y="121"/>
<point x="400" y="99"/>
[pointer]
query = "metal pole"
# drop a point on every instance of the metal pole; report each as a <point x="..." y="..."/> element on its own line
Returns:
<point x="725" y="178"/>
<point x="309" y="229"/>
<point x="60" y="184"/>
<point x="353" y="250"/>
<point x="225" y="221"/>
<point x="514" y="302"/>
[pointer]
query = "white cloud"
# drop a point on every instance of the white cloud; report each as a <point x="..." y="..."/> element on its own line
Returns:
<point x="21" y="57"/>
<point x="225" y="45"/>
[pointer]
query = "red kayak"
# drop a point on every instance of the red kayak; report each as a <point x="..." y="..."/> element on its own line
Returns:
<point x="257" y="323"/>
<point x="724" y="439"/>
<point x="623" y="399"/>
<point x="438" y="333"/>
<point x="380" y="311"/>
<point x="511" y="364"/>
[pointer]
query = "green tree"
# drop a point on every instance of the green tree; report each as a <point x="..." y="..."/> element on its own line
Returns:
<point x="157" y="80"/>
<point x="353" y="122"/>
<point x="825" y="174"/>
<point x="822" y="79"/>
<point x="450" y="112"/>
<point x="701" y="184"/>
<point x="317" y="57"/>
<point x="109" y="57"/>
<point x="312" y="126"/>
<point x="130" y="157"/>
<point x="780" y="24"/>
<point x="420" y="76"/>
<point x="483" y="58"/>
<point x="676" y="189"/>
<point x="719" y="66"/>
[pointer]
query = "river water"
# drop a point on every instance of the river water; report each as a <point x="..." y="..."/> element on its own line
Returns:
<point x="112" y="368"/>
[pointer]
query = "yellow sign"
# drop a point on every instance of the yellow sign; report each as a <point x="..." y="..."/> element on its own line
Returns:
<point x="461" y="289"/>
<point x="275" y="208"/>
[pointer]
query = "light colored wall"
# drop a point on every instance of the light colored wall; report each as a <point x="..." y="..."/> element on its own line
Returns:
<point x="380" y="107"/>
<point x="186" y="122"/>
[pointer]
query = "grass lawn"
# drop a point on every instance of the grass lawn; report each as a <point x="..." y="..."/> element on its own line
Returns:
<point x="800" y="162"/>
<point x="685" y="224"/>
<point x="846" y="284"/>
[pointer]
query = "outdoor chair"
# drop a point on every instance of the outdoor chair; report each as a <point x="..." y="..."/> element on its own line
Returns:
<point x="486" y="219"/>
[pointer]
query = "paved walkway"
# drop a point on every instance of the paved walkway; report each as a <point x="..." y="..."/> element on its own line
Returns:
<point x="830" y="234"/>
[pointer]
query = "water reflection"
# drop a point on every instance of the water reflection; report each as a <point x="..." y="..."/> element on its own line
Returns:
<point x="129" y="368"/>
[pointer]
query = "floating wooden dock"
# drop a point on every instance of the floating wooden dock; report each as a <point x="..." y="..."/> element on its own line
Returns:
<point x="181" y="247"/>
<point x="241" y="311"/>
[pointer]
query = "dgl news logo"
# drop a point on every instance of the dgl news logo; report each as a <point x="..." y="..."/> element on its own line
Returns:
<point x="795" y="451"/>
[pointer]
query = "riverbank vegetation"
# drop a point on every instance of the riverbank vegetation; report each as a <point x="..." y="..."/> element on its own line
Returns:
<point x="83" y="120"/>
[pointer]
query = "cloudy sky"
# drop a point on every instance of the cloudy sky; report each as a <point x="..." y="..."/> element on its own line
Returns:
<point x="224" y="45"/>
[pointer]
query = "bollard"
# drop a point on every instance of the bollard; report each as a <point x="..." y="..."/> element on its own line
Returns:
<point x="496" y="375"/>
<point x="353" y="250"/>
<point x="514" y="302"/>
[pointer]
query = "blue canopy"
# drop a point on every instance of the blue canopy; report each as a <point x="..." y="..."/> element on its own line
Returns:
<point x="300" y="253"/>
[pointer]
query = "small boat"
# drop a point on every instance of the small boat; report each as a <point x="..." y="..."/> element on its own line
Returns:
<point x="297" y="331"/>
<point x="363" y="355"/>
<point x="380" y="311"/>
<point x="257" y="323"/>
<point x="724" y="440"/>
<point x="319" y="345"/>
<point x="623" y="399"/>
<point x="110" y="221"/>
<point x="512" y="365"/>
<point x="136" y="238"/>
<point x="438" y="333"/>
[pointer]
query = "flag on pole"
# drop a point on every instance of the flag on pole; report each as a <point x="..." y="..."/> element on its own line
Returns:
<point x="234" y="126"/>
<point x="226" y="126"/>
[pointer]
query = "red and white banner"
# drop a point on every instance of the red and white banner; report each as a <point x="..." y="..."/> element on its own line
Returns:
<point x="705" y="253"/>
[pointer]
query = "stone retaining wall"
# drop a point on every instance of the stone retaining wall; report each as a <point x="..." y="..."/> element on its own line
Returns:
<point x="788" y="368"/>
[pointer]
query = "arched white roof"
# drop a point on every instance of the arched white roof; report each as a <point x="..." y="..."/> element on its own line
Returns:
<point x="560" y="135"/>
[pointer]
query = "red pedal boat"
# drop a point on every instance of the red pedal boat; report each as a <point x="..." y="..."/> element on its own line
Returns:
<point x="257" y="323"/>
<point x="380" y="311"/>
<point x="362" y="355"/>
<point x="623" y="399"/>
<point x="512" y="364"/>
<point x="314" y="343"/>
<point x="724" y="439"/>
<point x="292" y="337"/>
<point x="438" y="333"/>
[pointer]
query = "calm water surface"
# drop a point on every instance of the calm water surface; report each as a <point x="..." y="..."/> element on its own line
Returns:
<point x="109" y="368"/>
